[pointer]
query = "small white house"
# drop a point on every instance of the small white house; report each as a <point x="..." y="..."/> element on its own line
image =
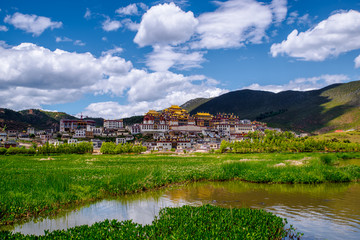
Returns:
<point x="120" y="141"/>
<point x="183" y="145"/>
<point x="72" y="140"/>
<point x="80" y="133"/>
<point x="163" y="145"/>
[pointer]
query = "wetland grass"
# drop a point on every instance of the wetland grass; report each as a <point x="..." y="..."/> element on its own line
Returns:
<point x="41" y="186"/>
<point x="205" y="222"/>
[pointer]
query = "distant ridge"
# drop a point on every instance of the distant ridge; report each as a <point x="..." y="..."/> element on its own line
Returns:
<point x="194" y="103"/>
<point x="333" y="107"/>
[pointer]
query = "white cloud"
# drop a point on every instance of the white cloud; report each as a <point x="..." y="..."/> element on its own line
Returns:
<point x="37" y="73"/>
<point x="87" y="14"/>
<point x="129" y="24"/>
<point x="32" y="76"/>
<point x="165" y="24"/>
<point x="302" y="84"/>
<point x="79" y="43"/>
<point x="177" y="90"/>
<point x="233" y="24"/>
<point x="111" y="25"/>
<point x="31" y="23"/>
<point x="357" y="62"/>
<point x="165" y="57"/>
<point x="294" y="18"/>
<point x="279" y="8"/>
<point x="63" y="39"/>
<point x="338" y="34"/>
<point x="3" y="28"/>
<point x="114" y="51"/>
<point x="130" y="9"/>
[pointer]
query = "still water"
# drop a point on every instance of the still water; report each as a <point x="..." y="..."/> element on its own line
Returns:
<point x="324" y="211"/>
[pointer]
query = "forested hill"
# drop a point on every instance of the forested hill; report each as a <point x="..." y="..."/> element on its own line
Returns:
<point x="333" y="107"/>
<point x="36" y="118"/>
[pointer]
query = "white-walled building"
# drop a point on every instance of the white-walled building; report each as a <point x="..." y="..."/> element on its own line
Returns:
<point x="72" y="140"/>
<point x="163" y="145"/>
<point x="80" y="133"/>
<point x="120" y="141"/>
<point x="113" y="124"/>
<point x="183" y="145"/>
<point x="244" y="128"/>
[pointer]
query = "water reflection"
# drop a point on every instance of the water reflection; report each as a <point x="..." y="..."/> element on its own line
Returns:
<point x="322" y="211"/>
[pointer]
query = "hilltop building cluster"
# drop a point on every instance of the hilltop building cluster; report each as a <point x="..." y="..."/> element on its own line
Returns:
<point x="177" y="119"/>
<point x="173" y="128"/>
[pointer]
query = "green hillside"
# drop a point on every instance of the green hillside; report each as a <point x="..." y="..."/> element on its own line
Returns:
<point x="327" y="109"/>
<point x="194" y="103"/>
<point x="36" y="118"/>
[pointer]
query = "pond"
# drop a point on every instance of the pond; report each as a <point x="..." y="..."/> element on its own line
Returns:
<point x="323" y="211"/>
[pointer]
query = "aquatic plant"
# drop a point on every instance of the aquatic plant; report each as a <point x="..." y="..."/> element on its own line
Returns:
<point x="205" y="222"/>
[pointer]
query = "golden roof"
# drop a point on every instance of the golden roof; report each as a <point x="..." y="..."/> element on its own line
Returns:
<point x="201" y="114"/>
<point x="153" y="112"/>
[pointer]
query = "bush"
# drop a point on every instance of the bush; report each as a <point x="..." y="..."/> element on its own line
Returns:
<point x="2" y="151"/>
<point x="328" y="159"/>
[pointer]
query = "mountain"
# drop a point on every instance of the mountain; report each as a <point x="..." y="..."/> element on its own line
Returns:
<point x="194" y="103"/>
<point x="41" y="120"/>
<point x="31" y="118"/>
<point x="36" y="118"/>
<point x="333" y="107"/>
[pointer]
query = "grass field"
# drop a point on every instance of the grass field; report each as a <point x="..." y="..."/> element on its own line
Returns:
<point x="352" y="136"/>
<point x="41" y="186"/>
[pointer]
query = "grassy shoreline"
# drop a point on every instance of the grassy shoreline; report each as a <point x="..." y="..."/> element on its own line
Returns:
<point x="41" y="186"/>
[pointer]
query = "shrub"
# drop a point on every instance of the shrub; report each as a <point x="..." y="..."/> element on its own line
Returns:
<point x="328" y="159"/>
<point x="2" y="150"/>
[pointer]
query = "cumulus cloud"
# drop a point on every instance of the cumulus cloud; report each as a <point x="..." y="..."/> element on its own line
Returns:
<point x="234" y="23"/>
<point x="3" y="28"/>
<point x="165" y="24"/>
<point x="163" y="90"/>
<point x="302" y="84"/>
<point x="28" y="70"/>
<point x="165" y="57"/>
<point x="357" y="62"/>
<point x="111" y="25"/>
<point x="31" y="23"/>
<point x="32" y="76"/>
<point x="338" y="34"/>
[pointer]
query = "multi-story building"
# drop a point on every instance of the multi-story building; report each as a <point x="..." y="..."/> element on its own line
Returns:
<point x="113" y="124"/>
<point x="70" y="125"/>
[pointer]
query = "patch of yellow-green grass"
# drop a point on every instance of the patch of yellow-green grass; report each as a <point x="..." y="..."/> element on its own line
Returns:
<point x="352" y="136"/>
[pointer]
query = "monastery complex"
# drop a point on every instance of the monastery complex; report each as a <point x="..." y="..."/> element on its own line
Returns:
<point x="178" y="119"/>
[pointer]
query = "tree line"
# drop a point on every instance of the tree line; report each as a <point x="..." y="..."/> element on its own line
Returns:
<point x="274" y="141"/>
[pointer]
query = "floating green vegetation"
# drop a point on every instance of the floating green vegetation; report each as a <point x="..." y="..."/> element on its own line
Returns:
<point x="205" y="222"/>
<point x="38" y="186"/>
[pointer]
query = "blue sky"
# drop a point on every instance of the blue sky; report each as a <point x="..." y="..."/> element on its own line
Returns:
<point x="115" y="59"/>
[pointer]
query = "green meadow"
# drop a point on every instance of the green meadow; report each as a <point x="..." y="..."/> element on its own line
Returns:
<point x="45" y="185"/>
